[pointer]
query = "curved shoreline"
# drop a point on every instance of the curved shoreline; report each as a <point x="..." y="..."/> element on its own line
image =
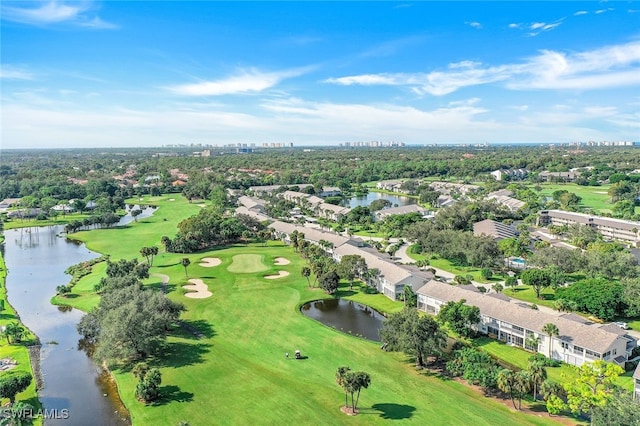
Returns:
<point x="33" y="351"/>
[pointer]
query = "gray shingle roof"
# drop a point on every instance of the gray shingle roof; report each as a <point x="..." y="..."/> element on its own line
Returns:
<point x="411" y="208"/>
<point x="491" y="228"/>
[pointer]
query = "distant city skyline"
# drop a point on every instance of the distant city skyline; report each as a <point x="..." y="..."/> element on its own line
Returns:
<point x="143" y="73"/>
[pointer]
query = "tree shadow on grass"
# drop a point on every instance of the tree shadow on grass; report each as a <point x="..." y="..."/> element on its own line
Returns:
<point x="198" y="329"/>
<point x="172" y="393"/>
<point x="390" y="411"/>
<point x="180" y="354"/>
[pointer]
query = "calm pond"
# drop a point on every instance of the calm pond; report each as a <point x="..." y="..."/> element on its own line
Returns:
<point x="36" y="259"/>
<point x="346" y="316"/>
<point x="365" y="200"/>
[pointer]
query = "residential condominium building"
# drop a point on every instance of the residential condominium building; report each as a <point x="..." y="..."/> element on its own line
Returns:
<point x="390" y="278"/>
<point x="579" y="341"/>
<point x="610" y="228"/>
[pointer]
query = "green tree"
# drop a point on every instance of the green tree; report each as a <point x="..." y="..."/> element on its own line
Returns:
<point x="413" y="334"/>
<point x="148" y="387"/>
<point x="511" y="282"/>
<point x="341" y="379"/>
<point x="149" y="253"/>
<point x="13" y="382"/>
<point x="135" y="213"/>
<point x="329" y="281"/>
<point x="536" y="278"/>
<point x="594" y="386"/>
<point x="620" y="410"/>
<point x="14" y="332"/>
<point x="506" y="383"/>
<point x="306" y="272"/>
<point x="185" y="262"/>
<point x="351" y="266"/>
<point x="362" y="381"/>
<point x="551" y="330"/>
<point x="537" y="375"/>
<point x="459" y="317"/>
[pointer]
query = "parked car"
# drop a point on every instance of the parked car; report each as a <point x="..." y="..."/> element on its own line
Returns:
<point x="622" y="325"/>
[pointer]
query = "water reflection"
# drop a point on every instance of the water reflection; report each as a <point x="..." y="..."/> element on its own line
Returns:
<point x="36" y="258"/>
<point x="346" y="316"/>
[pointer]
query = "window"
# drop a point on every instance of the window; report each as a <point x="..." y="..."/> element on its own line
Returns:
<point x="578" y="350"/>
<point x="515" y="327"/>
<point x="565" y="345"/>
<point x="592" y="354"/>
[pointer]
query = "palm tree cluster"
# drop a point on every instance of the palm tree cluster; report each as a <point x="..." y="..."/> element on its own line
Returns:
<point x="352" y="382"/>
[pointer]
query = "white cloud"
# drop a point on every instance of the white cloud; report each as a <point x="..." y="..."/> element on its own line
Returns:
<point x="247" y="81"/>
<point x="9" y="72"/>
<point x="476" y="25"/>
<point x="539" y="27"/>
<point x="580" y="12"/>
<point x="515" y="26"/>
<point x="600" y="11"/>
<point x="303" y="122"/>
<point x="55" y="12"/>
<point x="611" y="66"/>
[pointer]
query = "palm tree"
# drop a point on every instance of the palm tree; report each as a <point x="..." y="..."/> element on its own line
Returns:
<point x="521" y="384"/>
<point x="551" y="330"/>
<point x="537" y="374"/>
<point x="363" y="380"/>
<point x="532" y="342"/>
<point x="185" y="262"/>
<point x="306" y="272"/>
<point x="14" y="331"/>
<point x="341" y="378"/>
<point x="506" y="383"/>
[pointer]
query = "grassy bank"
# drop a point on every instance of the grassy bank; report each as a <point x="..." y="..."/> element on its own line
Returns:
<point x="18" y="352"/>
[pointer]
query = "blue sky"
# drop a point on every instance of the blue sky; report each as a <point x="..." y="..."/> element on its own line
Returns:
<point x="142" y="73"/>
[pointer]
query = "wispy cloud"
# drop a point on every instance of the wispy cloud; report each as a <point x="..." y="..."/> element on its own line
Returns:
<point x="9" y="72"/>
<point x="246" y="81"/>
<point x="534" y="28"/>
<point x="539" y="27"/>
<point x="600" y="11"/>
<point x="580" y="12"/>
<point x="611" y="66"/>
<point x="51" y="12"/>
<point x="476" y="25"/>
<point x="391" y="47"/>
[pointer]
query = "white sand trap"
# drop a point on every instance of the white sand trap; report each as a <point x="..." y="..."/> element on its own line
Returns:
<point x="281" y="274"/>
<point x="281" y="261"/>
<point x="201" y="205"/>
<point x="210" y="262"/>
<point x="197" y="290"/>
<point x="172" y="199"/>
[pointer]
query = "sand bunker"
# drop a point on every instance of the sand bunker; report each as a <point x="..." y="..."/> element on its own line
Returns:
<point x="210" y="262"/>
<point x="197" y="290"/>
<point x="281" y="274"/>
<point x="172" y="199"/>
<point x="281" y="261"/>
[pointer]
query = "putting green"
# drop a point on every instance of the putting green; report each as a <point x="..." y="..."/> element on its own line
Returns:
<point x="247" y="264"/>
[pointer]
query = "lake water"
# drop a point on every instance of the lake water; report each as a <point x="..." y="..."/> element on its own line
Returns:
<point x="366" y="200"/>
<point x="346" y="316"/>
<point x="36" y="259"/>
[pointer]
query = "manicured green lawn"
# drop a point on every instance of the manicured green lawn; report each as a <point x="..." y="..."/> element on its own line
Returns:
<point x="594" y="197"/>
<point x="527" y="294"/>
<point x="519" y="357"/>
<point x="247" y="264"/>
<point x="58" y="220"/>
<point x="238" y="374"/>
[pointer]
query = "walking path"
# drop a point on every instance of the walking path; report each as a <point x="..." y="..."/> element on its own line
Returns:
<point x="165" y="281"/>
